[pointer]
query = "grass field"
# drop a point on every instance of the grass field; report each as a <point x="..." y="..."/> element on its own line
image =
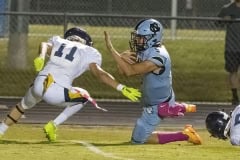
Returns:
<point x="27" y="142"/>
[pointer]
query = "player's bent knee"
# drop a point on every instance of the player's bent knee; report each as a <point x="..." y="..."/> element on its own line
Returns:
<point x="29" y="100"/>
<point x="24" y="106"/>
<point x="139" y="135"/>
<point x="27" y="105"/>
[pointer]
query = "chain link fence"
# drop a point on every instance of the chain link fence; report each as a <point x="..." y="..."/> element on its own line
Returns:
<point x="193" y="38"/>
<point x="192" y="8"/>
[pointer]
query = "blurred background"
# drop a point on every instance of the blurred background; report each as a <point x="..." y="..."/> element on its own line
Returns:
<point x="191" y="34"/>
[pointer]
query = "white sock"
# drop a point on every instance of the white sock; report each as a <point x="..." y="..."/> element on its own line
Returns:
<point x="66" y="113"/>
<point x="3" y="128"/>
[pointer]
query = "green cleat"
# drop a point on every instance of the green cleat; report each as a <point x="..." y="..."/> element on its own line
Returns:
<point x="50" y="130"/>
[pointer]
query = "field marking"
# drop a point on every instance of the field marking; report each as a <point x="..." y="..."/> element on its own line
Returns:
<point x="89" y="146"/>
<point x="96" y="150"/>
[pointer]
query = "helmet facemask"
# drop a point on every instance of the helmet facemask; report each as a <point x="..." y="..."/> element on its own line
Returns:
<point x="147" y="33"/>
<point x="139" y="42"/>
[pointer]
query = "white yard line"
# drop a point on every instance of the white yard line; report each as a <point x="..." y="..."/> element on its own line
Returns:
<point x="89" y="146"/>
<point x="96" y="150"/>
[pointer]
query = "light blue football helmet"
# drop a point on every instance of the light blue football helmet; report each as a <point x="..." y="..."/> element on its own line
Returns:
<point x="149" y="29"/>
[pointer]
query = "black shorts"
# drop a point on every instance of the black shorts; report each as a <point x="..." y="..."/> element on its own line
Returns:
<point x="232" y="61"/>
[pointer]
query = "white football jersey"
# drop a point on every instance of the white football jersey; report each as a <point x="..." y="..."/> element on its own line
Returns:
<point x="69" y="59"/>
<point x="235" y="126"/>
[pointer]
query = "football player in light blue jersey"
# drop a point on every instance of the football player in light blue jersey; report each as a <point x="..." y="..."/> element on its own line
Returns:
<point x="148" y="57"/>
<point x="69" y="58"/>
<point x="224" y="126"/>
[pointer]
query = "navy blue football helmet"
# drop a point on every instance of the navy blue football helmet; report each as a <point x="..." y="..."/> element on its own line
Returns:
<point x="217" y="124"/>
<point x="79" y="32"/>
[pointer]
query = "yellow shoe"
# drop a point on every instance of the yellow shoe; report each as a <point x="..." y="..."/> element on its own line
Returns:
<point x="50" y="130"/>
<point x="190" y="107"/>
<point x="193" y="136"/>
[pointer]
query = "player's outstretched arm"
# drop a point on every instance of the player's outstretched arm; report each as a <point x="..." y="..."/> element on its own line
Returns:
<point x="131" y="93"/>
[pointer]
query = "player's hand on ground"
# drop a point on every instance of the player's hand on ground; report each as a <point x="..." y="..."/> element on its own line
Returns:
<point x="131" y="93"/>
<point x="38" y="63"/>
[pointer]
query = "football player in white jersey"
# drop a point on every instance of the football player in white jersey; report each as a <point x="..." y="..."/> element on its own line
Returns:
<point x="153" y="62"/>
<point x="69" y="58"/>
<point x="224" y="126"/>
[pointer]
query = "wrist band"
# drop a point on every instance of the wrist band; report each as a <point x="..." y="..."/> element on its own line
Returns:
<point x="120" y="87"/>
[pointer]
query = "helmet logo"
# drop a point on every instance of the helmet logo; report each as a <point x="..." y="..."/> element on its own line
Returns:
<point x="154" y="27"/>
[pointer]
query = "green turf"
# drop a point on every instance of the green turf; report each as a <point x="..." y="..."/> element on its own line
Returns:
<point x="27" y="142"/>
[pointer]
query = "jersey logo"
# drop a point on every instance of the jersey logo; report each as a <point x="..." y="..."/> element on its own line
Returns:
<point x="154" y="27"/>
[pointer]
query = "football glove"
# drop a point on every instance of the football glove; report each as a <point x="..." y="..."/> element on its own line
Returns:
<point x="131" y="93"/>
<point x="38" y="63"/>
